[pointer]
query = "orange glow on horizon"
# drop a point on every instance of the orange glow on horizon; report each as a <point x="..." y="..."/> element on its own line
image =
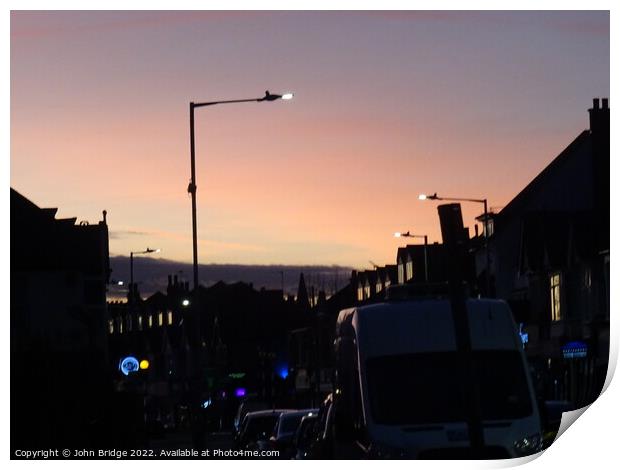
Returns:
<point x="99" y="120"/>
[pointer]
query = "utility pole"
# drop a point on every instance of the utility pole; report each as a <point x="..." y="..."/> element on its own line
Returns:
<point x="455" y="240"/>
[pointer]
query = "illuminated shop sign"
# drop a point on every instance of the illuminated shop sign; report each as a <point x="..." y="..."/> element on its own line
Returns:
<point x="128" y="365"/>
<point x="524" y="336"/>
<point x="574" y="350"/>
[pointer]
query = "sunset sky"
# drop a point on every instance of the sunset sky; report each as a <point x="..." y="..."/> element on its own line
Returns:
<point x="387" y="105"/>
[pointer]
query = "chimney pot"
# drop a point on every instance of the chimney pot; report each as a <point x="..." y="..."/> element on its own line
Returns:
<point x="595" y="103"/>
<point x="605" y="103"/>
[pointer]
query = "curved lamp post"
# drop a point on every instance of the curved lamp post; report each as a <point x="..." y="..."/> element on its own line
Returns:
<point x="194" y="384"/>
<point x="192" y="184"/>
<point x="410" y="235"/>
<point x="434" y="197"/>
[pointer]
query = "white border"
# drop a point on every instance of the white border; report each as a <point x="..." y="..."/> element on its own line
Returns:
<point x="590" y="442"/>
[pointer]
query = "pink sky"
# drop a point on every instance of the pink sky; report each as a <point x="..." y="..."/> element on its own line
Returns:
<point x="387" y="105"/>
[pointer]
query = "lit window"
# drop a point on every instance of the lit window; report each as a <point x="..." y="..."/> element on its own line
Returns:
<point x="150" y="321"/>
<point x="140" y="322"/>
<point x="379" y="286"/>
<point x="387" y="283"/>
<point x="160" y="318"/>
<point x="401" y="273"/>
<point x="120" y="326"/>
<point x="169" y="318"/>
<point x="488" y="229"/>
<point x="555" y="294"/>
<point x="111" y="326"/>
<point x="360" y="293"/>
<point x="366" y="292"/>
<point x="409" y="270"/>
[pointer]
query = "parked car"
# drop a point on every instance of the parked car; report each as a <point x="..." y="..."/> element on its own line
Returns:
<point x="304" y="436"/>
<point x="321" y="445"/>
<point x="256" y="426"/>
<point x="248" y="405"/>
<point x="284" y="430"/>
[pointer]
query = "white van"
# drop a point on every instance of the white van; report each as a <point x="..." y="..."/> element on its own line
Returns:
<point x="399" y="391"/>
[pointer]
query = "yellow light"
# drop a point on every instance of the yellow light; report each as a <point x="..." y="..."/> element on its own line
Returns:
<point x="144" y="364"/>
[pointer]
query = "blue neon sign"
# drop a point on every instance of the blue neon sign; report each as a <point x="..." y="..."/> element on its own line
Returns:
<point x="575" y="349"/>
<point x="524" y="336"/>
<point x="129" y="365"/>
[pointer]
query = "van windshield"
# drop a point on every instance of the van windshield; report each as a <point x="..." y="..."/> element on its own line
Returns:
<point x="426" y="388"/>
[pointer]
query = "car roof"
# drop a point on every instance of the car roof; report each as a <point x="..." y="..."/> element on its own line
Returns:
<point x="310" y="417"/>
<point x="299" y="412"/>
<point x="253" y="403"/>
<point x="259" y="414"/>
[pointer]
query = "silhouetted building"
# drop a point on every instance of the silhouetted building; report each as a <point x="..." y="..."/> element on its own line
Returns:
<point x="302" y="294"/>
<point x="411" y="261"/>
<point x="386" y="276"/>
<point x="483" y="263"/>
<point x="241" y="340"/>
<point x="550" y="253"/>
<point x="59" y="365"/>
<point x="311" y="347"/>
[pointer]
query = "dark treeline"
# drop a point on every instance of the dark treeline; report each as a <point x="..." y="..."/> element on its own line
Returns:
<point x="151" y="274"/>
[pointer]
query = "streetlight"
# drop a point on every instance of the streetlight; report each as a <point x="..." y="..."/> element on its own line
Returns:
<point x="145" y="252"/>
<point x="410" y="235"/>
<point x="192" y="184"/>
<point x="434" y="197"/>
<point x="194" y="387"/>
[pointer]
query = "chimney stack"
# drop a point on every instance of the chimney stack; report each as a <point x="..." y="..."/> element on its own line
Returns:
<point x="599" y="117"/>
<point x="599" y="132"/>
